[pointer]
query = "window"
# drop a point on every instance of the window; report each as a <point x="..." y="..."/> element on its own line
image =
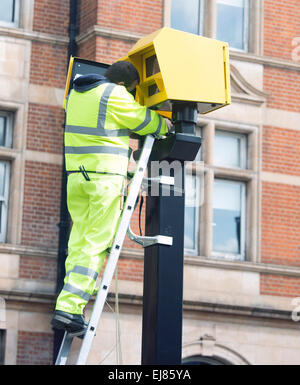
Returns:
<point x="188" y="15"/>
<point x="5" y="129"/>
<point x="221" y="221"/>
<point x="194" y="195"/>
<point x="229" y="218"/>
<point x="233" y="23"/>
<point x="5" y="141"/>
<point x="9" y="13"/>
<point x="230" y="150"/>
<point x="2" y="346"/>
<point x="4" y="191"/>
<point x="225" y="20"/>
<point x="229" y="210"/>
<point x="191" y="215"/>
<point x="229" y="202"/>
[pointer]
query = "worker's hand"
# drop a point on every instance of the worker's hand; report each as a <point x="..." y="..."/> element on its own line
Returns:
<point x="169" y="125"/>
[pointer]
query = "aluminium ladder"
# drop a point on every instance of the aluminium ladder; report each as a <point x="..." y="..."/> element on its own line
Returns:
<point x="137" y="182"/>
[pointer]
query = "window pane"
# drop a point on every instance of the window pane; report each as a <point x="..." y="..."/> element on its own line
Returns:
<point x="2" y="130"/>
<point x="230" y="150"/>
<point x="7" y="10"/>
<point x="2" y="339"/>
<point x="185" y="15"/>
<point x="190" y="217"/>
<point x="231" y="22"/>
<point x="2" y="189"/>
<point x="4" y="175"/>
<point x="2" y="179"/>
<point x="227" y="216"/>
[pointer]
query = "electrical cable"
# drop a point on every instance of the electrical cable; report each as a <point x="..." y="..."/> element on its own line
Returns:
<point x="118" y="328"/>
<point x="140" y="213"/>
<point x="117" y="345"/>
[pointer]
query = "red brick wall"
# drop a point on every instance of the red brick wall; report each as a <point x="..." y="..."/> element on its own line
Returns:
<point x="42" y="187"/>
<point x="35" y="348"/>
<point x="109" y="50"/>
<point x="139" y="16"/>
<point x="142" y="17"/>
<point x="38" y="268"/>
<point x="281" y="26"/>
<point x="130" y="269"/>
<point x="49" y="61"/>
<point x="44" y="128"/>
<point x="48" y="64"/>
<point x="51" y="16"/>
<point x="280" y="217"/>
<point x="279" y="285"/>
<point x="283" y="89"/>
<point x="87" y="50"/>
<point x="280" y="150"/>
<point x="87" y="14"/>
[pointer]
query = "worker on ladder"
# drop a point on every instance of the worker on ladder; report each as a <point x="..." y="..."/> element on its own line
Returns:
<point x="100" y="113"/>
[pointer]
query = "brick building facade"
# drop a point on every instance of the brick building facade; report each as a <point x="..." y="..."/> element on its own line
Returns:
<point x="239" y="292"/>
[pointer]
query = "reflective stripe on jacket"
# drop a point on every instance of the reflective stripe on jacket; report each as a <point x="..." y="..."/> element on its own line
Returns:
<point x="98" y="124"/>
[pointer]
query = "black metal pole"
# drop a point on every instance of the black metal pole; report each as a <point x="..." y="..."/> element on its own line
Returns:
<point x="163" y="265"/>
<point x="163" y="280"/>
<point x="64" y="224"/>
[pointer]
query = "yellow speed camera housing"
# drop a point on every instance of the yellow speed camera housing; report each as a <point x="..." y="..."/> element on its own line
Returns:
<point x="180" y="66"/>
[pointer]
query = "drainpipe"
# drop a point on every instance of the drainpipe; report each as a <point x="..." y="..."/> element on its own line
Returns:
<point x="64" y="223"/>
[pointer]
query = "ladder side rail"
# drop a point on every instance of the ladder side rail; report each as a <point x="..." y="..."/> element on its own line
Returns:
<point x="64" y="350"/>
<point x="115" y="250"/>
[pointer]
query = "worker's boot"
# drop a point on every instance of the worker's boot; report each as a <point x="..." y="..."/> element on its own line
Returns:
<point x="72" y="323"/>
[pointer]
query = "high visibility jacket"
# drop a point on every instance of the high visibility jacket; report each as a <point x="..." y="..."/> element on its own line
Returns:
<point x="98" y="123"/>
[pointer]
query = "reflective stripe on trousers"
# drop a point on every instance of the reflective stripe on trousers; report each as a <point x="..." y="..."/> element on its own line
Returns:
<point x="83" y="271"/>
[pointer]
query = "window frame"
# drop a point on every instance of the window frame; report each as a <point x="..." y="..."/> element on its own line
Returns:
<point x="198" y="172"/>
<point x="8" y="128"/>
<point x="4" y="202"/>
<point x="243" y="175"/>
<point x="243" y="136"/>
<point x="2" y="346"/>
<point x="249" y="176"/>
<point x="201" y="22"/>
<point x="246" y="37"/>
<point x="254" y="25"/>
<point x="6" y="159"/>
<point x="242" y="255"/>
<point x="195" y="251"/>
<point x="15" y="23"/>
<point x="244" y="148"/>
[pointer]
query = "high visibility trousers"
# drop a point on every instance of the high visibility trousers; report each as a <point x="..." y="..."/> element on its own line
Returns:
<point x="95" y="208"/>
